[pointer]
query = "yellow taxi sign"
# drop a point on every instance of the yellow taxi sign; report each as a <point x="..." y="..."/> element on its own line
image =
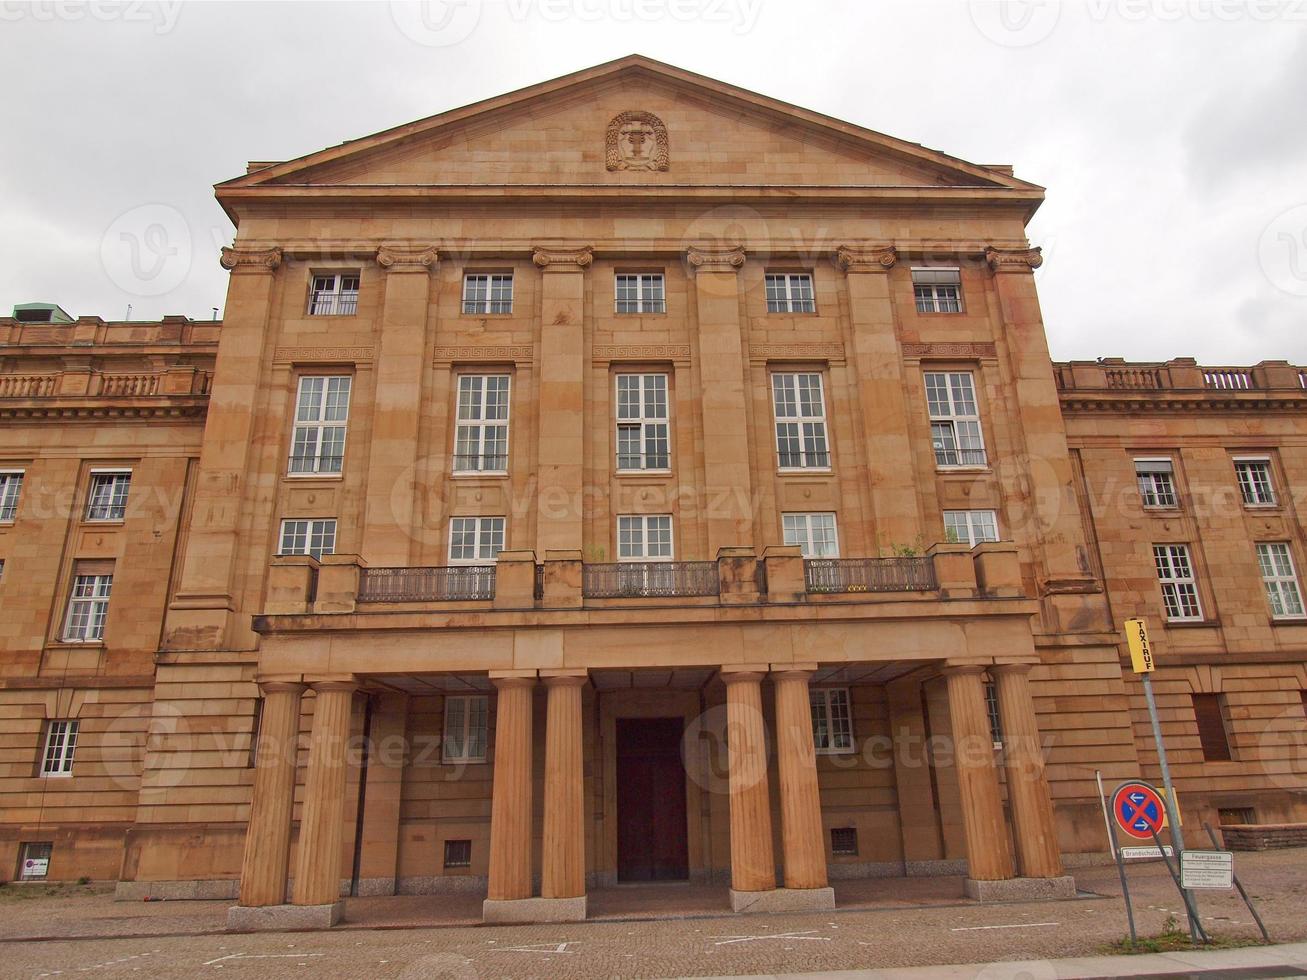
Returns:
<point x="1141" y="651"/>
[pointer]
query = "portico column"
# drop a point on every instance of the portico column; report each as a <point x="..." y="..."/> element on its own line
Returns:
<point x="988" y="858"/>
<point x="563" y="860"/>
<point x="1032" y="805"/>
<point x="802" y="841"/>
<point x="753" y="867"/>
<point x="510" y="805"/>
<point x="322" y="821"/>
<point x="267" y="836"/>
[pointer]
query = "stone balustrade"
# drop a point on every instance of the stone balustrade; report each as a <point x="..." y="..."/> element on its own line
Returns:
<point x="1179" y="374"/>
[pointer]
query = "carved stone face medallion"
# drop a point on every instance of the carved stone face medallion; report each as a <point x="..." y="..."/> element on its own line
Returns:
<point x="637" y="141"/>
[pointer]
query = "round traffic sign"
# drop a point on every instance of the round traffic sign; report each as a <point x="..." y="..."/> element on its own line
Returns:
<point x="1138" y="809"/>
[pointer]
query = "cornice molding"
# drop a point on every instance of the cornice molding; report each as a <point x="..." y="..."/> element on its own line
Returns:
<point x="562" y="259"/>
<point x="708" y="259"/>
<point x="1014" y="259"/>
<point x="408" y="258"/>
<point x="263" y="260"/>
<point x="865" y="258"/>
<point x="1161" y="403"/>
<point x="163" y="408"/>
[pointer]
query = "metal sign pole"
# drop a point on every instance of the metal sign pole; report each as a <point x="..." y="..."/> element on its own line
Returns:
<point x="1243" y="894"/>
<point x="1116" y="853"/>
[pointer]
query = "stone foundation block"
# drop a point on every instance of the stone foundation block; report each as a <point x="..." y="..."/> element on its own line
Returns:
<point x="204" y="890"/>
<point x="519" y="910"/>
<point x="784" y="900"/>
<point x="281" y="918"/>
<point x="1020" y="889"/>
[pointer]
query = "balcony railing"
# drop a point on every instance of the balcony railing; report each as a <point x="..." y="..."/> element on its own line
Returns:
<point x="465" y="582"/>
<point x="841" y="575"/>
<point x="650" y="579"/>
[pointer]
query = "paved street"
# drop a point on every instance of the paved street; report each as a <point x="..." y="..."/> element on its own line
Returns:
<point x="717" y="945"/>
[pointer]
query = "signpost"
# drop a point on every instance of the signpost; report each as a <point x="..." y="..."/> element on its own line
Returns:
<point x="1139" y="809"/>
<point x="1207" y="869"/>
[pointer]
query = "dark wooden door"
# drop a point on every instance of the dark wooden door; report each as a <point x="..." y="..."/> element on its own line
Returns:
<point x="651" y="832"/>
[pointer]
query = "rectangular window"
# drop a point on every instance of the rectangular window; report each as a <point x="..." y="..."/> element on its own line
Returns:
<point x="800" y="421"/>
<point x="790" y="292"/>
<point x="1156" y="479"/>
<point x="641" y="293"/>
<point x="60" y="745"/>
<point x="844" y="840"/>
<point x="35" y="862"/>
<point x="813" y="533"/>
<point x="970" y="526"/>
<point x="107" y="500"/>
<point x="465" y="728"/>
<point x="642" y="431"/>
<point x="475" y="540"/>
<point x="1280" y="579"/>
<point x="458" y="854"/>
<point x="832" y="721"/>
<point x="88" y="606"/>
<point x="644" y="538"/>
<point x="954" y="419"/>
<point x="991" y="709"/>
<point x="1176" y="575"/>
<point x="1209" y="711"/>
<point x="308" y="536"/>
<point x="334" y="294"/>
<point x="488" y="292"/>
<point x="1255" y="484"/>
<point x="11" y="485"/>
<point x="481" y="440"/>
<point x="321" y="411"/>
<point x="937" y="290"/>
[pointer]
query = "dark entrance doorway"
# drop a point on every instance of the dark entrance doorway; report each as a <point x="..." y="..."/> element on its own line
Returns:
<point x="651" y="831"/>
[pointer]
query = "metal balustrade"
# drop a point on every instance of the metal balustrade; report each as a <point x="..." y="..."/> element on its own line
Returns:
<point x="650" y="579"/>
<point x="828" y="576"/>
<point x="434" y="584"/>
<point x="1228" y="379"/>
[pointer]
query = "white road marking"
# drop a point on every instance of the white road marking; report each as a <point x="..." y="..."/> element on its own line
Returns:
<point x="261" y="956"/>
<point x="538" y="948"/>
<point x="99" y="966"/>
<point x="1015" y="925"/>
<point x="727" y="940"/>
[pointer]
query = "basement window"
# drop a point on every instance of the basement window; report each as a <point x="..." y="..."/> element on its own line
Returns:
<point x="844" y="840"/>
<point x="458" y="854"/>
<point x="35" y="861"/>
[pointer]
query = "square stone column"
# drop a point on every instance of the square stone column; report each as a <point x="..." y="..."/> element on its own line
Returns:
<point x="803" y="840"/>
<point x="267" y="836"/>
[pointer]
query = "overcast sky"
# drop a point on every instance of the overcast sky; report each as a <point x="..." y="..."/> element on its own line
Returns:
<point x="1171" y="135"/>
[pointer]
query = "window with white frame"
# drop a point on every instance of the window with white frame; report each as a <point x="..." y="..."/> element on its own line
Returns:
<point x="644" y="537"/>
<point x="466" y="724"/>
<point x="1156" y="479"/>
<point x="642" y="431"/>
<point x="88" y="607"/>
<point x="790" y="292"/>
<point x="11" y="486"/>
<point x="321" y="413"/>
<point x="937" y="290"/>
<point x="475" y="540"/>
<point x="813" y="533"/>
<point x="1280" y="579"/>
<point x="832" y="721"/>
<point x="1175" y="573"/>
<point x="481" y="439"/>
<point x="334" y="294"/>
<point x="970" y="526"/>
<point x="800" y="421"/>
<point x="641" y="292"/>
<point x="314" y="536"/>
<point x="954" y="419"/>
<point x="1255" y="484"/>
<point x="60" y="746"/>
<point x="488" y="292"/>
<point x="107" y="500"/>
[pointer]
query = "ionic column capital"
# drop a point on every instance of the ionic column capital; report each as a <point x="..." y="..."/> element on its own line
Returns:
<point x="866" y="258"/>
<point x="562" y="259"/>
<point x="707" y="259"/>
<point x="408" y="258"/>
<point x="239" y="259"/>
<point x="1014" y="259"/>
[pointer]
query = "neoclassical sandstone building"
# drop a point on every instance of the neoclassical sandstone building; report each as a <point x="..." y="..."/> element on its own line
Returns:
<point x="629" y="478"/>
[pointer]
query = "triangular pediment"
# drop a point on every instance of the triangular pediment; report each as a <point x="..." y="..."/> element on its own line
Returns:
<point x="558" y="133"/>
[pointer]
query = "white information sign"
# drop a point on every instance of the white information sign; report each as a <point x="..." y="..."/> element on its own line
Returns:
<point x="1206" y="869"/>
<point x="36" y="867"/>
<point x="1136" y="853"/>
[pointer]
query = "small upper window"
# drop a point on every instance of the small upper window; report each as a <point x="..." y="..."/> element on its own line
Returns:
<point x="11" y="485"/>
<point x="60" y="746"/>
<point x="641" y="293"/>
<point x="790" y="292"/>
<point x="954" y="419"/>
<point x="1156" y="479"/>
<point x="475" y="540"/>
<point x="644" y="537"/>
<point x="1175" y="574"/>
<point x="970" y="526"/>
<point x="1255" y="482"/>
<point x="937" y="290"/>
<point x="311" y="536"/>
<point x="334" y="294"/>
<point x="108" y="498"/>
<point x="488" y="292"/>
<point x="88" y="608"/>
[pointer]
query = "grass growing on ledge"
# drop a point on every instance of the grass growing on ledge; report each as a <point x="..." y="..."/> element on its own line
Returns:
<point x="1173" y="938"/>
<point x="20" y="891"/>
